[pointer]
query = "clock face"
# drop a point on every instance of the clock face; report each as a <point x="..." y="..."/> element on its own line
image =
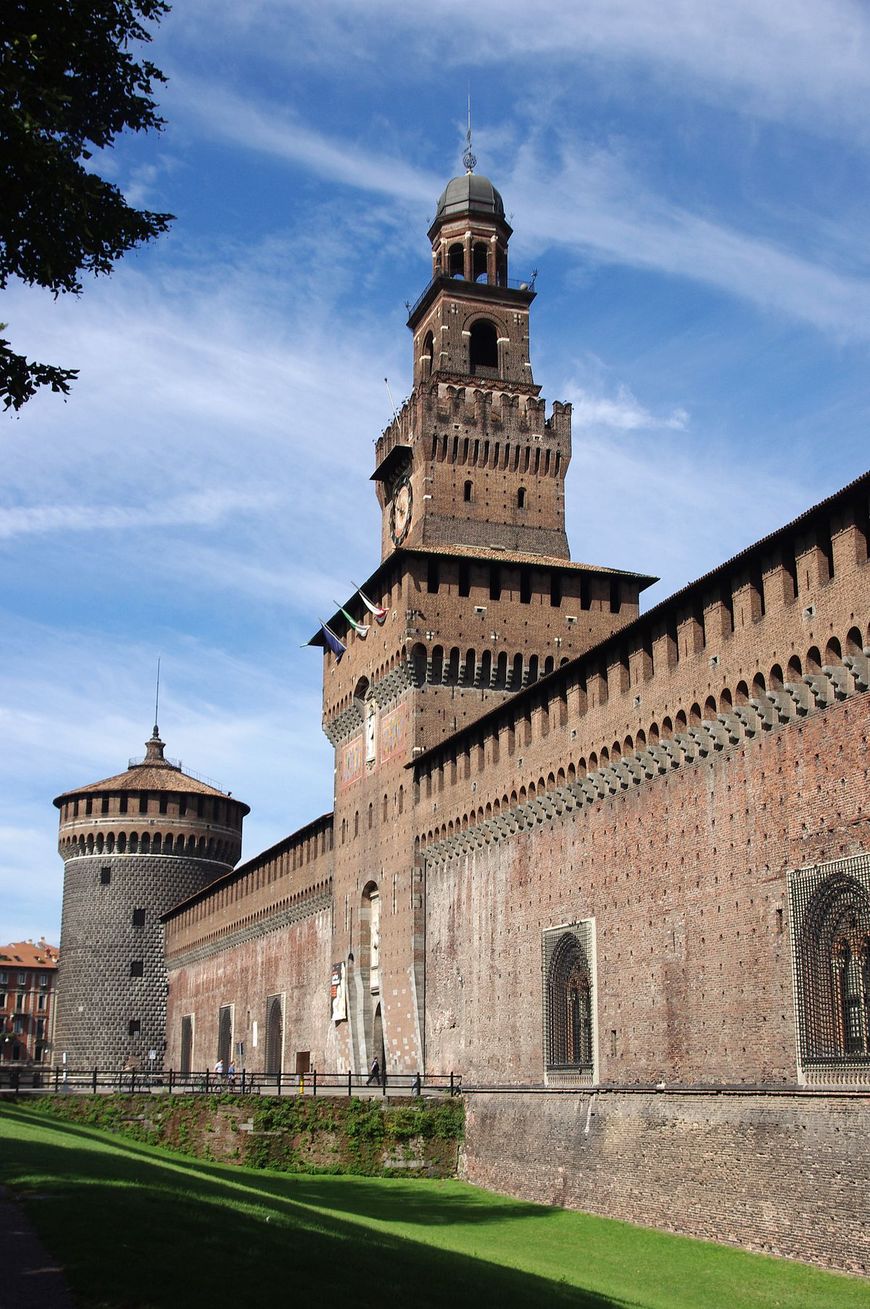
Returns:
<point x="400" y="511"/>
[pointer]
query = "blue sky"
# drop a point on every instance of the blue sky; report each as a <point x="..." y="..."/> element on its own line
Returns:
<point x="690" y="180"/>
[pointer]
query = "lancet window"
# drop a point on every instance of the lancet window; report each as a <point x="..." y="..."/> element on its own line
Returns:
<point x="831" y="934"/>
<point x="569" y="1052"/>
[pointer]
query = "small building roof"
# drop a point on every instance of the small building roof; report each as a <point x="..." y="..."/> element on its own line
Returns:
<point x="29" y="954"/>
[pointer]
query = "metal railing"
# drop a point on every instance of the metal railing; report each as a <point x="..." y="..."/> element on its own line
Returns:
<point x="513" y="283"/>
<point x="101" y="1081"/>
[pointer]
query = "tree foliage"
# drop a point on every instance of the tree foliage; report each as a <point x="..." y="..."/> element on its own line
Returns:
<point x="69" y="85"/>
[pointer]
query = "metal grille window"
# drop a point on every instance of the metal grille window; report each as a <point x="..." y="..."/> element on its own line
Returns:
<point x="831" y="937"/>
<point x="569" y="1003"/>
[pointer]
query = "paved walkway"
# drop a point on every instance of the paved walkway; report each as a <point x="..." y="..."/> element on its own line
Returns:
<point x="31" y="1279"/>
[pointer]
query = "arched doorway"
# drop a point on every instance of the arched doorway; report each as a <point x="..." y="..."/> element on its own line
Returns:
<point x="370" y="970"/>
<point x="378" y="1049"/>
<point x="274" y="1034"/>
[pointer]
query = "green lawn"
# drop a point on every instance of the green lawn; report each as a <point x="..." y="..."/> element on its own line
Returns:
<point x="135" y="1226"/>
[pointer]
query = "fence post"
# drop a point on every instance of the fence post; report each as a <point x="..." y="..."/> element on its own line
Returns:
<point x="384" y="1082"/>
<point x="94" y="1082"/>
<point x="314" y="1082"/>
<point x="452" y="1091"/>
<point x="206" y="1081"/>
<point x="56" y="1078"/>
<point x="349" y="1083"/>
<point x="170" y="1081"/>
<point x="278" y="1081"/>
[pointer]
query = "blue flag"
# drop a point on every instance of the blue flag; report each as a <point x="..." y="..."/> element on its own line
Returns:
<point x="337" y="647"/>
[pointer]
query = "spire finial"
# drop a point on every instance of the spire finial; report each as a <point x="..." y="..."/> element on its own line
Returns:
<point x="155" y="747"/>
<point x="469" y="158"/>
<point x="157" y="702"/>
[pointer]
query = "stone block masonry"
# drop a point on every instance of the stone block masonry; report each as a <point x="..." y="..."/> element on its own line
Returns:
<point x="112" y="974"/>
<point x="751" y="1169"/>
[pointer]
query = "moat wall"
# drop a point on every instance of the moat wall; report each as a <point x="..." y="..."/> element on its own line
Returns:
<point x="404" y="1138"/>
<point x="787" y="1174"/>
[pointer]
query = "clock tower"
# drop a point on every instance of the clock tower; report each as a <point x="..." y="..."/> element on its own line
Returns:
<point x="475" y="597"/>
<point x="472" y="459"/>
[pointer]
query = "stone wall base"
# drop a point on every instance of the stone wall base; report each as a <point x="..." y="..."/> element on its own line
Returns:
<point x="785" y="1173"/>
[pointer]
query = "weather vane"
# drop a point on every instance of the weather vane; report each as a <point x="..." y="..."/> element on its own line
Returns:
<point x="469" y="158"/>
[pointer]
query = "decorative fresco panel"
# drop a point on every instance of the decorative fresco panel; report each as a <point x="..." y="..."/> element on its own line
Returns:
<point x="352" y="761"/>
<point x="393" y="732"/>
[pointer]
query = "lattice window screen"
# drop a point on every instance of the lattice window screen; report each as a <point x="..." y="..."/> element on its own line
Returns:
<point x="830" y="911"/>
<point x="568" y="974"/>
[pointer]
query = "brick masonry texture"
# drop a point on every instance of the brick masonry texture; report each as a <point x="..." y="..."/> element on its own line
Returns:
<point x="685" y="877"/>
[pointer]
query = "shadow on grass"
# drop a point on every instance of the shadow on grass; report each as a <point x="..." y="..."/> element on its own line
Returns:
<point x="395" y="1200"/>
<point x="137" y="1228"/>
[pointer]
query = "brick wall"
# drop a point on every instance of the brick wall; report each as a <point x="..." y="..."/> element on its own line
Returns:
<point x="263" y="930"/>
<point x="685" y="876"/>
<point x="291" y="959"/>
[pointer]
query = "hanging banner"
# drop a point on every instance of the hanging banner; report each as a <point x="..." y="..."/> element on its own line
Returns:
<point x="338" y="994"/>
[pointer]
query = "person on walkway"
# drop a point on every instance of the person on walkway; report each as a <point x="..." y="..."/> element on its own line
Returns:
<point x="231" y="1075"/>
<point x="219" y="1068"/>
<point x="416" y="1085"/>
<point x="374" y="1072"/>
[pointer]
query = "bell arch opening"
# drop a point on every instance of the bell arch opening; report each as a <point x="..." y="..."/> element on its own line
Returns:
<point x="483" y="347"/>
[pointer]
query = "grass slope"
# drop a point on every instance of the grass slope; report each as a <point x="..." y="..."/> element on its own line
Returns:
<point x="140" y="1228"/>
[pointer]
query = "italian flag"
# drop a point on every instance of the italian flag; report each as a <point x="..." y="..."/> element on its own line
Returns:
<point x="360" y="628"/>
<point x="376" y="611"/>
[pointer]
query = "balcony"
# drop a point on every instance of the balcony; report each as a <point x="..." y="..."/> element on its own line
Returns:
<point x="510" y="283"/>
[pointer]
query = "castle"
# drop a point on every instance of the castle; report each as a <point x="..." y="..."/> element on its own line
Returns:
<point x="612" y="867"/>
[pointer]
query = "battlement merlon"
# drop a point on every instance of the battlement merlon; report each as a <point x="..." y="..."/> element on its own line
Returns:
<point x="502" y="413"/>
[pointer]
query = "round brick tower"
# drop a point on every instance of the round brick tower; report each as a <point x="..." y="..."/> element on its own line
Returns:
<point x="133" y="846"/>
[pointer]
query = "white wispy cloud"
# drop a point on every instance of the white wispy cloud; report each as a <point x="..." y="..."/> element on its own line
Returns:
<point x="270" y="129"/>
<point x="204" y="508"/>
<point x="591" y="202"/>
<point x="620" y="412"/>
<point x="806" y="62"/>
<point x="588" y="200"/>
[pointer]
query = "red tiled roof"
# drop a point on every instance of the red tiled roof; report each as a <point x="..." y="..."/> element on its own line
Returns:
<point x="29" y="954"/>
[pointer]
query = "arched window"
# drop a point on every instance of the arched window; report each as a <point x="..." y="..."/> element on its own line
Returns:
<point x="521" y="498"/>
<point x="831" y="915"/>
<point x="456" y="260"/>
<point x="468" y="492"/>
<point x="478" y="255"/>
<point x="568" y="1001"/>
<point x="483" y="347"/>
<point x="427" y="360"/>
